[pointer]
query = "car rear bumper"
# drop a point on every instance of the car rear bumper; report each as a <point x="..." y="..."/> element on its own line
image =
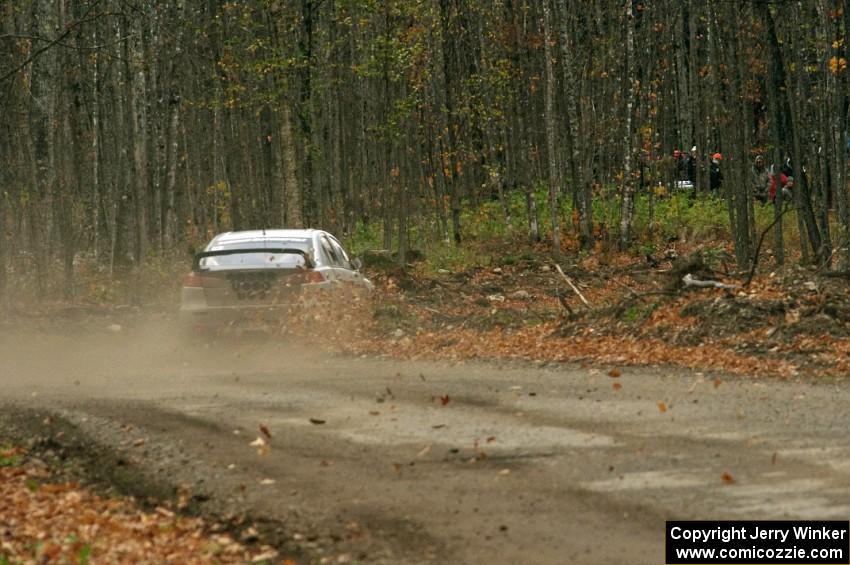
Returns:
<point x="205" y="318"/>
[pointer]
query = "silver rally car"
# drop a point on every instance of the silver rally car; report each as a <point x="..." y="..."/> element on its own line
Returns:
<point x="248" y="276"/>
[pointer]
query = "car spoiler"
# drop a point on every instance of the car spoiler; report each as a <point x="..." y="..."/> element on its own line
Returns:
<point x="196" y="260"/>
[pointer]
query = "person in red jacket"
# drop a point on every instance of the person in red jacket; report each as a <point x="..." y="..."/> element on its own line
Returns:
<point x="786" y="181"/>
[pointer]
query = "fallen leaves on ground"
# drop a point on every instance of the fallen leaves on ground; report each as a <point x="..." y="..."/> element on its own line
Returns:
<point x="46" y="521"/>
<point x="634" y="322"/>
<point x="535" y="343"/>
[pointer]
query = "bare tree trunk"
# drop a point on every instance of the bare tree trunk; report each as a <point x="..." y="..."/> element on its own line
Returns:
<point x="554" y="181"/>
<point x="684" y="105"/>
<point x="65" y="198"/>
<point x="627" y="197"/>
<point x="292" y="202"/>
<point x="743" y="197"/>
<point x="170" y="220"/>
<point x="521" y="148"/>
<point x="775" y="124"/>
<point x="5" y="180"/>
<point x="736" y="185"/>
<point x="837" y="100"/>
<point x="135" y="89"/>
<point x="403" y="218"/>
<point x="94" y="204"/>
<point x="582" y="203"/>
<point x="802" y="194"/>
<point x="309" y="186"/>
<point x="448" y="52"/>
<point x="69" y="161"/>
<point x="695" y="92"/>
<point x="42" y="129"/>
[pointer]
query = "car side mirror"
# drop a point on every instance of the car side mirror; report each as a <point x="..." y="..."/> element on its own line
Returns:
<point x="357" y="263"/>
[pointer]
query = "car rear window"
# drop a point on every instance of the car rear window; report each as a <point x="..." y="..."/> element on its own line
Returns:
<point x="255" y="260"/>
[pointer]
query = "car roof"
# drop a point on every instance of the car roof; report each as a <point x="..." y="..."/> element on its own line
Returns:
<point x="248" y="236"/>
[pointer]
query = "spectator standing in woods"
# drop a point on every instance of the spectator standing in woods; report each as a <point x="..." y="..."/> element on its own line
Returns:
<point x="715" y="174"/>
<point x="691" y="166"/>
<point x="679" y="160"/>
<point x="785" y="181"/>
<point x="786" y="168"/>
<point x="760" y="179"/>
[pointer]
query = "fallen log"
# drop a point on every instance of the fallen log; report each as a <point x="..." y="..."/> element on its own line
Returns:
<point x="837" y="274"/>
<point x="689" y="280"/>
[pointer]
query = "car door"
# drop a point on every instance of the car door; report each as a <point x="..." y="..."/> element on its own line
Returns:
<point x="346" y="270"/>
<point x="331" y="263"/>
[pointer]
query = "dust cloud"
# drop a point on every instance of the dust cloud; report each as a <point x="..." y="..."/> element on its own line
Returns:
<point x="47" y="354"/>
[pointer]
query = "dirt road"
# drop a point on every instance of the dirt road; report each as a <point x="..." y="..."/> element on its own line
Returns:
<point x="379" y="461"/>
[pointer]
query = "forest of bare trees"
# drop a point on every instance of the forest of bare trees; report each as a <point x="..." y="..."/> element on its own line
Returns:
<point x="131" y="128"/>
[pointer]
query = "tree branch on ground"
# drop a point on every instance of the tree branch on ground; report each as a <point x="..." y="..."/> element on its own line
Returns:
<point x="761" y="241"/>
<point x="573" y="286"/>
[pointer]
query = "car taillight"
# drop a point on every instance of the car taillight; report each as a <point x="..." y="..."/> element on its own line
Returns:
<point x="313" y="277"/>
<point x="194" y="280"/>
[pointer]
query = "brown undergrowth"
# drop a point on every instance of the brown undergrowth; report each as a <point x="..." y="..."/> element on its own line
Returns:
<point x="789" y="322"/>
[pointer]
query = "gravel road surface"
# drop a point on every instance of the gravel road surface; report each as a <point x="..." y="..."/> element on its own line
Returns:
<point x="381" y="461"/>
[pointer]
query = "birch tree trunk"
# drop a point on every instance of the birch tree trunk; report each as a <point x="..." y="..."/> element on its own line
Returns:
<point x="627" y="197"/>
<point x="94" y="203"/>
